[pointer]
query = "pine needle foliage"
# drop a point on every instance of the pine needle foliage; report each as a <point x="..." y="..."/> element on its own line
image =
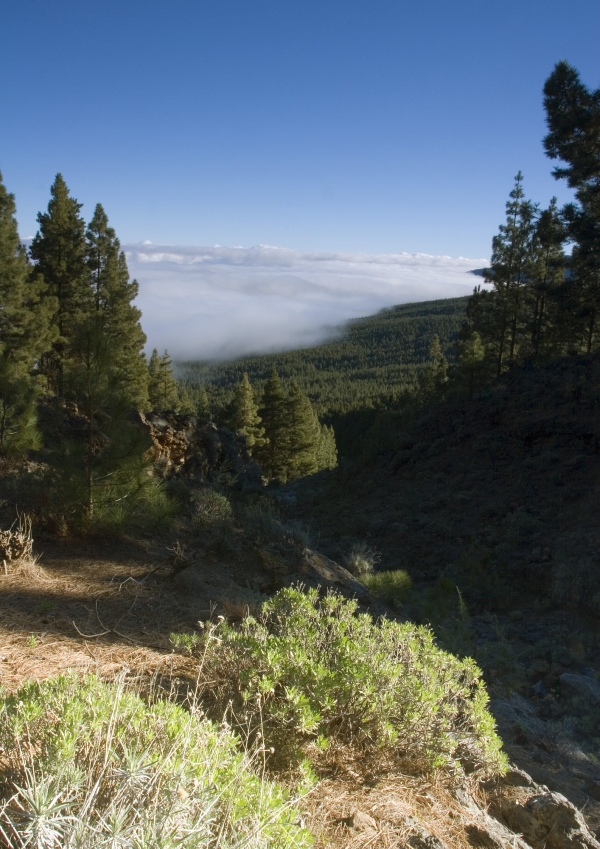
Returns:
<point x="163" y="389"/>
<point x="273" y="454"/>
<point x="25" y="329"/>
<point x="24" y="335"/>
<point x="244" y="417"/>
<point x="59" y="252"/>
<point x="113" y="294"/>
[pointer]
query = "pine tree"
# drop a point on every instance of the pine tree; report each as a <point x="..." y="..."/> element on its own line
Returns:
<point x="112" y="297"/>
<point x="510" y="271"/>
<point x="185" y="402"/>
<point x="302" y="435"/>
<point x="434" y="375"/>
<point x="471" y="371"/>
<point x="327" y="448"/>
<point x="202" y="404"/>
<point x="573" y="118"/>
<point x="24" y="321"/>
<point x="273" y="454"/>
<point x="102" y="461"/>
<point x="18" y="413"/>
<point x="59" y="250"/>
<point x="24" y="335"/>
<point x="244" y="417"/>
<point x="543" y="290"/>
<point x="163" y="389"/>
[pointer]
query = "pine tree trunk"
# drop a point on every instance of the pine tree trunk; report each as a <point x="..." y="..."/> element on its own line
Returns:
<point x="540" y="324"/>
<point x="90" y="460"/>
<point x="591" y="328"/>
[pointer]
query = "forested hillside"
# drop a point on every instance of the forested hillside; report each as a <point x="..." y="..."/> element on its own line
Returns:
<point x="370" y="364"/>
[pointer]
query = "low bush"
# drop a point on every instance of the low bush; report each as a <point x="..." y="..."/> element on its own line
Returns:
<point x="310" y="671"/>
<point x="87" y="764"/>
<point x="392" y="587"/>
<point x="265" y="525"/>
<point x="211" y="510"/>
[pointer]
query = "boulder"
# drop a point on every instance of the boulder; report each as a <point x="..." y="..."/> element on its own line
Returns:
<point x="184" y="445"/>
<point x="580" y="685"/>
<point x="485" y="831"/>
<point x="329" y="573"/>
<point x="548" y="821"/>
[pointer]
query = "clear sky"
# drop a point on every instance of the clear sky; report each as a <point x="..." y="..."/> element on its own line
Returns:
<point x="364" y="125"/>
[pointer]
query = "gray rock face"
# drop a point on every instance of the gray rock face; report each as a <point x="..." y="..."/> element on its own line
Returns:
<point x="485" y="831"/>
<point x="516" y="777"/>
<point x="580" y="685"/>
<point x="330" y="574"/>
<point x="549" y="820"/>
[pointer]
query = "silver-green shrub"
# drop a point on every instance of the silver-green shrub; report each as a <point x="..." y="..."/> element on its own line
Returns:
<point x="89" y="764"/>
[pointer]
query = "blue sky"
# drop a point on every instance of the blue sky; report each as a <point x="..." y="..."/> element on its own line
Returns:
<point x="321" y="125"/>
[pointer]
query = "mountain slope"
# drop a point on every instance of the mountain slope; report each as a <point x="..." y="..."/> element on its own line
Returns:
<point x="373" y="360"/>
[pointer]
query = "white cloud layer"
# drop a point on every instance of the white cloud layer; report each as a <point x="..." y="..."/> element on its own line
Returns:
<point x="205" y="303"/>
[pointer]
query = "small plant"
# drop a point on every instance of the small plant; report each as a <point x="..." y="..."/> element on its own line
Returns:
<point x="102" y="768"/>
<point x="211" y="510"/>
<point x="362" y="560"/>
<point x="32" y="641"/>
<point x="391" y="587"/>
<point x="185" y="642"/>
<point x="310" y="670"/>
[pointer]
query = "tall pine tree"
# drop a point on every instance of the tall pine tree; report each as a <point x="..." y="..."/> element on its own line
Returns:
<point x="545" y="286"/>
<point x="244" y="417"/>
<point x="112" y="296"/>
<point x="573" y="118"/>
<point x="509" y="273"/>
<point x="273" y="412"/>
<point x="24" y="334"/>
<point x="327" y="448"/>
<point x="434" y="375"/>
<point x="302" y="435"/>
<point x="163" y="389"/>
<point x="59" y="251"/>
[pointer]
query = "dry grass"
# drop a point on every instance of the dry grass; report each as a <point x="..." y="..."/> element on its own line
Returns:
<point x="70" y="610"/>
<point x="16" y="544"/>
<point x="237" y="609"/>
<point x="349" y="813"/>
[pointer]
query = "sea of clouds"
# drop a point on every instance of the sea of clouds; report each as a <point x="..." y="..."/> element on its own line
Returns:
<point x="219" y="303"/>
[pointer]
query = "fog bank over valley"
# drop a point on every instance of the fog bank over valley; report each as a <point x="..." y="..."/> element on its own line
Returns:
<point x="221" y="303"/>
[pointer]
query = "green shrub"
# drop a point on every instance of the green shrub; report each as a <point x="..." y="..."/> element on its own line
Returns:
<point x="185" y="642"/>
<point x="211" y="510"/>
<point x="89" y="764"/>
<point x="391" y="587"/>
<point x="310" y="671"/>
<point x="264" y="524"/>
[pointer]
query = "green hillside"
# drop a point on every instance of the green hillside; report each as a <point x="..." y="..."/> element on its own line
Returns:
<point x="369" y="364"/>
